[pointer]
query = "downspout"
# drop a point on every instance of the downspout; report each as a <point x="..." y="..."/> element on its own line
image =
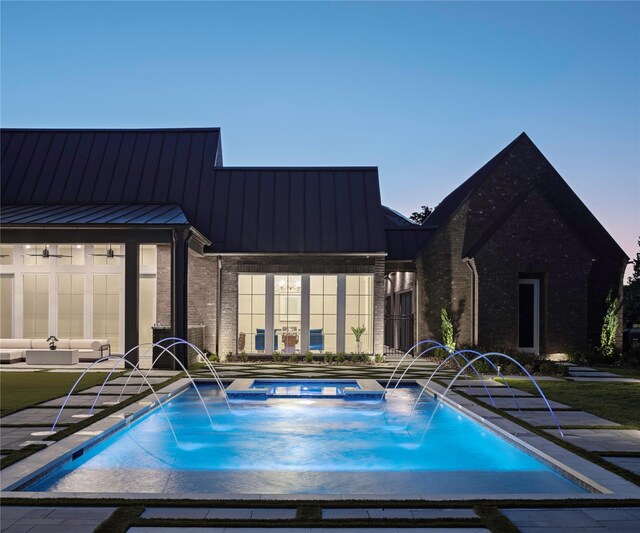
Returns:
<point x="474" y="302"/>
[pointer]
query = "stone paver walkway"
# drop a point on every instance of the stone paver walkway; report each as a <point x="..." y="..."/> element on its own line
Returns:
<point x="16" y="519"/>
<point x="632" y="464"/>
<point x="620" y="520"/>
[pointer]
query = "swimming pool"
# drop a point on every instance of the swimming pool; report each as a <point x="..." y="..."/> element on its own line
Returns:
<point x="306" y="446"/>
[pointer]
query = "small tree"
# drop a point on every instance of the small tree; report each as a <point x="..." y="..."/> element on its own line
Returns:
<point x="446" y="328"/>
<point x="631" y="302"/>
<point x="609" y="327"/>
<point x="420" y="216"/>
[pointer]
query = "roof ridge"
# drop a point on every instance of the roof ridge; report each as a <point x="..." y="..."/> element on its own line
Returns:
<point x="110" y="130"/>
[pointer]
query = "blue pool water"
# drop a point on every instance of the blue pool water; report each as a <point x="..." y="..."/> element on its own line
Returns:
<point x="294" y="389"/>
<point x="295" y="446"/>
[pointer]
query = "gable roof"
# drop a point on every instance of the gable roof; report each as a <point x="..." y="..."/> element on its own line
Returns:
<point x="551" y="185"/>
<point x="445" y="209"/>
<point x="241" y="210"/>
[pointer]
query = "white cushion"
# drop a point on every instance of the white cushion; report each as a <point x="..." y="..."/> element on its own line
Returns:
<point x="15" y="343"/>
<point x="87" y="344"/>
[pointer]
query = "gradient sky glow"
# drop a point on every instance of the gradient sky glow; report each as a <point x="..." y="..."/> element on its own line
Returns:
<point x="428" y="92"/>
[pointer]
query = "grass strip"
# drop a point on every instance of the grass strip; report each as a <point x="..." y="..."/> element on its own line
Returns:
<point x="494" y="520"/>
<point x="619" y="454"/>
<point x="324" y="504"/>
<point x="120" y="520"/>
<point x="26" y="389"/>
<point x="309" y="512"/>
<point x="18" y="455"/>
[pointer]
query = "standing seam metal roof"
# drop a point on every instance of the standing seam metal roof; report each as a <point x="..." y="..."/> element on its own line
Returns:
<point x="249" y="210"/>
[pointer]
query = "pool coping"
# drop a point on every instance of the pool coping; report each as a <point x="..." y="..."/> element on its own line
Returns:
<point x="242" y="388"/>
<point x="578" y="469"/>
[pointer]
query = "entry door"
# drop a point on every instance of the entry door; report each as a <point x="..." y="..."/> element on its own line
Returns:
<point x="529" y="315"/>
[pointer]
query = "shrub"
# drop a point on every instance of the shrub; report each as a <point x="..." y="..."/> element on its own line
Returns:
<point x="308" y="357"/>
<point x="609" y="327"/>
<point x="446" y="327"/>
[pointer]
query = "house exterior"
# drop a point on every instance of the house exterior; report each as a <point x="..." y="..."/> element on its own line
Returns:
<point x="127" y="234"/>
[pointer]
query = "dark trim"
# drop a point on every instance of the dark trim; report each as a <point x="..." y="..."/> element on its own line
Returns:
<point x="131" y="299"/>
<point x="46" y="235"/>
<point x="180" y="290"/>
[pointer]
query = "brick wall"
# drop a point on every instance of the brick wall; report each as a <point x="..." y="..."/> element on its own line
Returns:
<point x="444" y="280"/>
<point x="535" y="242"/>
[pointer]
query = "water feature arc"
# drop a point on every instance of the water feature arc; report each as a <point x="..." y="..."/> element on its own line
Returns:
<point x="146" y="381"/>
<point x="450" y="356"/>
<point x="497" y="354"/>
<point x="119" y="359"/>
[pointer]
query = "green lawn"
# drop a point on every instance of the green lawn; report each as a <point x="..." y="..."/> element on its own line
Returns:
<point x="23" y="389"/>
<point x="618" y="402"/>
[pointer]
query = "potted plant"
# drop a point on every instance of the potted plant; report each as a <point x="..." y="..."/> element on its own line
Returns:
<point x="358" y="331"/>
<point x="52" y="342"/>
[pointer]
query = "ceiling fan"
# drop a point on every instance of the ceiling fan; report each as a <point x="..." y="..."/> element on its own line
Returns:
<point x="45" y="254"/>
<point x="109" y="255"/>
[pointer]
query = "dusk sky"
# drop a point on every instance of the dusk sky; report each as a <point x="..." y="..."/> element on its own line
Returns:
<point x="428" y="92"/>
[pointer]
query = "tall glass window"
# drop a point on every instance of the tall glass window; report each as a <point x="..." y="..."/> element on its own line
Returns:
<point x="32" y="254"/>
<point x="148" y="255"/>
<point x="323" y="313"/>
<point x="35" y="306"/>
<point x="6" y="255"/>
<point x="74" y="254"/>
<point x="106" y="308"/>
<point x="6" y="306"/>
<point x="287" y="311"/>
<point x="71" y="306"/>
<point x="100" y="254"/>
<point x="251" y="313"/>
<point x="359" y="314"/>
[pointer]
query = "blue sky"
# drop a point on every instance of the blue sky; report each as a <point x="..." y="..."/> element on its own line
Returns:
<point x="428" y="92"/>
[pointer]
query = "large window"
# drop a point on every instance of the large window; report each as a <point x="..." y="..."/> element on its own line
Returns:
<point x="359" y="314"/>
<point x="71" y="306"/>
<point x="106" y="308"/>
<point x="35" y="306"/>
<point x="6" y="306"/>
<point x="305" y="312"/>
<point x="251" y="313"/>
<point x="323" y="314"/>
<point x="288" y="312"/>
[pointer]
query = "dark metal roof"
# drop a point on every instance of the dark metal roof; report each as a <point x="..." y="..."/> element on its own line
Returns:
<point x="393" y="219"/>
<point x="111" y="214"/>
<point x="403" y="244"/>
<point x="106" y="166"/>
<point x="291" y="210"/>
